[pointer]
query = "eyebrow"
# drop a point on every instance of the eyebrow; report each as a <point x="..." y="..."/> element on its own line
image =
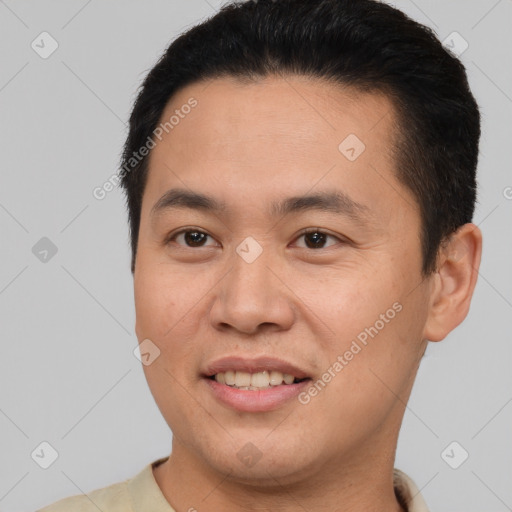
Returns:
<point x="329" y="201"/>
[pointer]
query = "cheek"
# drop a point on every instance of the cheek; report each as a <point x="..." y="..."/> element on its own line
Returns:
<point x="345" y="302"/>
<point x="375" y="378"/>
<point x="155" y="303"/>
<point x="168" y="317"/>
<point x="168" y="395"/>
<point x="374" y="324"/>
<point x="390" y="346"/>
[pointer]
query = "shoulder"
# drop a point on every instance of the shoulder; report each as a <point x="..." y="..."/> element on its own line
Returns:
<point x="114" y="498"/>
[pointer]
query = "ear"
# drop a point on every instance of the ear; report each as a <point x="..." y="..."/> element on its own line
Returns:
<point x="454" y="281"/>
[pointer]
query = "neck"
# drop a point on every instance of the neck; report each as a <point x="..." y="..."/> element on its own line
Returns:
<point x="355" y="484"/>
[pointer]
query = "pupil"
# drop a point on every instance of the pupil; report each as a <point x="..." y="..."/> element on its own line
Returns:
<point x="315" y="235"/>
<point x="194" y="238"/>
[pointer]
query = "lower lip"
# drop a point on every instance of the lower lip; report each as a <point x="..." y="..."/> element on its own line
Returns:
<point x="256" y="401"/>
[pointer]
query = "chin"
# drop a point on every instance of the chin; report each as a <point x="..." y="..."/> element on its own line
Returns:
<point x="262" y="464"/>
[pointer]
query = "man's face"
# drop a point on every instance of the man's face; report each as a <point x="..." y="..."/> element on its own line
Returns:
<point x="245" y="282"/>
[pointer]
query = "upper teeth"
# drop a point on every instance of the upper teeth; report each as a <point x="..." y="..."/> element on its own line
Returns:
<point x="254" y="380"/>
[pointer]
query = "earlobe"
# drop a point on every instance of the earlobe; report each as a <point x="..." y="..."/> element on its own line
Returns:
<point x="453" y="284"/>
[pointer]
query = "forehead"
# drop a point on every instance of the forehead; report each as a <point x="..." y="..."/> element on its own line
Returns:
<point x="253" y="139"/>
<point x="278" y="110"/>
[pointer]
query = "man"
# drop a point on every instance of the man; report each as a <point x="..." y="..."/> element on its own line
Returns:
<point x="300" y="180"/>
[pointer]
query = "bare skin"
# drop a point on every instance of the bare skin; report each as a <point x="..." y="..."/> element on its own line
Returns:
<point x="249" y="145"/>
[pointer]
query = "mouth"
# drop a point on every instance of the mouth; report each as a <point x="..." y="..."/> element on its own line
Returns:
<point x="254" y="385"/>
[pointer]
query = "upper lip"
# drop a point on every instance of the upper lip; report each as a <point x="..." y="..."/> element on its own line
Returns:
<point x="254" y="365"/>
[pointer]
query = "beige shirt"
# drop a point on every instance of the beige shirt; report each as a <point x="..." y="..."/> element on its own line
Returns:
<point x="142" y="494"/>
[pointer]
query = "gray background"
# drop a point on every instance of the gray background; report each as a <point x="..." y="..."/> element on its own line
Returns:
<point x="68" y="374"/>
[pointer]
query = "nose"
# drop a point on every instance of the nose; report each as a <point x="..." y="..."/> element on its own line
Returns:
<point x="253" y="297"/>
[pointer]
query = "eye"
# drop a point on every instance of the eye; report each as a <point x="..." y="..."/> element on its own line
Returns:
<point x="190" y="237"/>
<point x="315" y="238"/>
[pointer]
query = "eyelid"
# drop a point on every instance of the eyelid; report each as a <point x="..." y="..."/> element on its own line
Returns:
<point x="306" y="231"/>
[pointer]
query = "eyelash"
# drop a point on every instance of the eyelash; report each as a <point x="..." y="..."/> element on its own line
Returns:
<point x="304" y="232"/>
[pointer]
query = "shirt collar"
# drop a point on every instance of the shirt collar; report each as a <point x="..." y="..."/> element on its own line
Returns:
<point x="407" y="493"/>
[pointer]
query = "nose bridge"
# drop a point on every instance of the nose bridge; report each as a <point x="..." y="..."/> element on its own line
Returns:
<point x="251" y="294"/>
<point x="251" y="283"/>
<point x="250" y="273"/>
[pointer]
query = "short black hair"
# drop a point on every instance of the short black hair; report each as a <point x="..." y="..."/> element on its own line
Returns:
<point x="364" y="44"/>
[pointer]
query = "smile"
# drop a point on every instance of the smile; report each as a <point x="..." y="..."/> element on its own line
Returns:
<point x="254" y="381"/>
